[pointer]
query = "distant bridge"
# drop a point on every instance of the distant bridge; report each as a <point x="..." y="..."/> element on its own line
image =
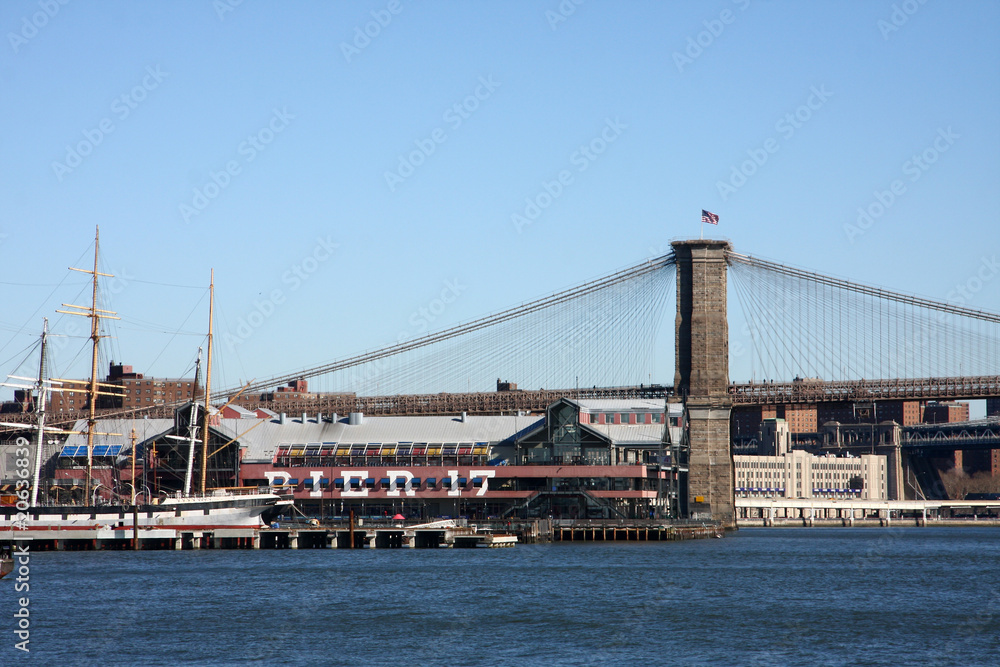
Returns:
<point x="975" y="434"/>
<point x="812" y="391"/>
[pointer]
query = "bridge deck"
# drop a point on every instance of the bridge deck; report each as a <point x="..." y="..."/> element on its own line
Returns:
<point x="486" y="403"/>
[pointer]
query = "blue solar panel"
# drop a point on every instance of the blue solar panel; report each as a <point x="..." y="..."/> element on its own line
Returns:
<point x="101" y="450"/>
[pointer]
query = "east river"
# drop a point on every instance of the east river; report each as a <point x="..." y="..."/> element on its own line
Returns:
<point x="820" y="596"/>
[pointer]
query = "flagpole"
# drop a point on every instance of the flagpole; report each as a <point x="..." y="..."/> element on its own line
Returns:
<point x="701" y="236"/>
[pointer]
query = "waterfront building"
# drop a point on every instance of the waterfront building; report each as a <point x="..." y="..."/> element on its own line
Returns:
<point x="850" y="423"/>
<point x="778" y="471"/>
<point x="800" y="474"/>
<point x="579" y="459"/>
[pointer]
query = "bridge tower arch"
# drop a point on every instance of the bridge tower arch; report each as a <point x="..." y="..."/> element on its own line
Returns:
<point x="701" y="375"/>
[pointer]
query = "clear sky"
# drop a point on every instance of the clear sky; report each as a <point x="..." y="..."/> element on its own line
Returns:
<point x="338" y="182"/>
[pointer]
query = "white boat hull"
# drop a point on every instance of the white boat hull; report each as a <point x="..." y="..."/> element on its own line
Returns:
<point x="196" y="513"/>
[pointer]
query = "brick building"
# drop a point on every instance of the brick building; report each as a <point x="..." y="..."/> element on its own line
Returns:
<point x="946" y="412"/>
<point x="136" y="391"/>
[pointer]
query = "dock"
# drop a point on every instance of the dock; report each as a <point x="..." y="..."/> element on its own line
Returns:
<point x="448" y="533"/>
<point x="636" y="530"/>
<point x="434" y="535"/>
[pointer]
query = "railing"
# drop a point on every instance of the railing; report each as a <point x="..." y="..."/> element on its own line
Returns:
<point x="240" y="490"/>
<point x="764" y="393"/>
<point x="746" y="393"/>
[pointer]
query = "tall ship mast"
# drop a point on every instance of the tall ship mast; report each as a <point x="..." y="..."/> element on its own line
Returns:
<point x="208" y="384"/>
<point x="96" y="388"/>
<point x="223" y="508"/>
<point x="192" y="427"/>
<point x="40" y="410"/>
<point x="41" y="386"/>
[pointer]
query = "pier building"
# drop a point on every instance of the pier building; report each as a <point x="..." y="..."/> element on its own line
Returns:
<point x="586" y="459"/>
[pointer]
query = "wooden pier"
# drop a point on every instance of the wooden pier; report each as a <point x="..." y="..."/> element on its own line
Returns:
<point x="635" y="531"/>
<point x="441" y="534"/>
<point x="434" y="535"/>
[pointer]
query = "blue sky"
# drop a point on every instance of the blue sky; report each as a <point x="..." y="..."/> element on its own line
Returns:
<point x="329" y="179"/>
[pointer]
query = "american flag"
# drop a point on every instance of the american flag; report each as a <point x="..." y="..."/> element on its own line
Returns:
<point x="708" y="217"/>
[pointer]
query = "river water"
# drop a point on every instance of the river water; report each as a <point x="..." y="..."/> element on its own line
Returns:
<point x="838" y="596"/>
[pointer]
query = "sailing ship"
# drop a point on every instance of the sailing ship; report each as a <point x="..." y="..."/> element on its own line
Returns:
<point x="209" y="509"/>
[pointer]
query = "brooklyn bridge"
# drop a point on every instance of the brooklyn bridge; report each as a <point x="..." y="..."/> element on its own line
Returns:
<point x="822" y="348"/>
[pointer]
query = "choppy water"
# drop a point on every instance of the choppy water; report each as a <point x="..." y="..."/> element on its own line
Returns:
<point x="902" y="596"/>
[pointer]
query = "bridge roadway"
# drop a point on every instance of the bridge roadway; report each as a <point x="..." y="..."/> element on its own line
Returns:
<point x="975" y="434"/>
<point x="806" y="391"/>
<point x="486" y="403"/>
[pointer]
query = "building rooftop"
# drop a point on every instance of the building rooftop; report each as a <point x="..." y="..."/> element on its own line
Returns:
<point x="624" y="404"/>
<point x="645" y="435"/>
<point x="262" y="442"/>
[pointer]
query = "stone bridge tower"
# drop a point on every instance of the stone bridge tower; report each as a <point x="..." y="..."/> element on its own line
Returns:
<point x="701" y="375"/>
